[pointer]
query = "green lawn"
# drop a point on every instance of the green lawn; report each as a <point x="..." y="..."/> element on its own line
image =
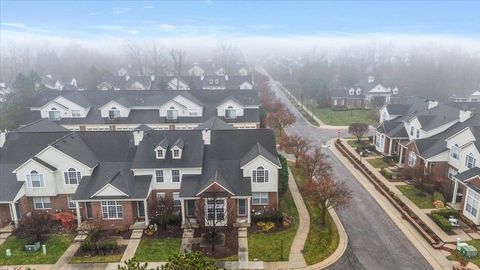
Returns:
<point x="378" y="163"/>
<point x="97" y="259"/>
<point x="157" y="250"/>
<point x="476" y="259"/>
<point x="344" y="118"/>
<point x="413" y="194"/>
<point x="322" y="239"/>
<point x="56" y="246"/>
<point x="266" y="247"/>
<point x="354" y="143"/>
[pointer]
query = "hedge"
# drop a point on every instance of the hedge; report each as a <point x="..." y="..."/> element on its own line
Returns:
<point x="446" y="212"/>
<point x="442" y="222"/>
<point x="275" y="217"/>
<point x="283" y="176"/>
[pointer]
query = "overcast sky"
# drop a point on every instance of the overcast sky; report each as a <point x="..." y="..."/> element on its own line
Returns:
<point x="94" y="20"/>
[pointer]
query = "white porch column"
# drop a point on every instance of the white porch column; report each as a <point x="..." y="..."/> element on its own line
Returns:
<point x="390" y="147"/>
<point x="455" y="190"/>
<point x="13" y="212"/>
<point x="145" y="206"/>
<point x="248" y="210"/>
<point x="79" y="216"/>
<point x="182" y="204"/>
<point x="400" y="156"/>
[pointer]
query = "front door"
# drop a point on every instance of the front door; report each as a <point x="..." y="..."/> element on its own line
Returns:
<point x="17" y="209"/>
<point x="88" y="210"/>
<point x="141" y="209"/>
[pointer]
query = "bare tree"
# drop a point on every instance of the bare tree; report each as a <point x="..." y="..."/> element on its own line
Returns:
<point x="135" y="54"/>
<point x="315" y="164"/>
<point x="156" y="56"/>
<point x="358" y="130"/>
<point x="228" y="55"/>
<point x="178" y="58"/>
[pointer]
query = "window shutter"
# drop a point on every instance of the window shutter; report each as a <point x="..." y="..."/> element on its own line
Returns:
<point x="29" y="180"/>
<point x="266" y="176"/>
<point x="67" y="181"/>
<point x="254" y="176"/>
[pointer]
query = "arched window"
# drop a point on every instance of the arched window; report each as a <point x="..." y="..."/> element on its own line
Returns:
<point x="114" y="113"/>
<point x="470" y="161"/>
<point x="54" y="114"/>
<point x="72" y="176"/>
<point x="172" y="114"/>
<point x="260" y="175"/>
<point x="230" y="113"/>
<point x="35" y="179"/>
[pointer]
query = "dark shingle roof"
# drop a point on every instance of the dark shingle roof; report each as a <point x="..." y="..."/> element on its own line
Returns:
<point x="215" y="123"/>
<point x="41" y="125"/>
<point x="468" y="174"/>
<point x="72" y="145"/>
<point x="258" y="150"/>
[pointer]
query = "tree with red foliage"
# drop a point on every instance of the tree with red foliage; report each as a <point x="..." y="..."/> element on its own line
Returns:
<point x="315" y="164"/>
<point x="294" y="145"/>
<point x="281" y="119"/>
<point x="327" y="193"/>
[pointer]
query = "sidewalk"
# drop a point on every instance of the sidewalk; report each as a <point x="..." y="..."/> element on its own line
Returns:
<point x="296" y="259"/>
<point x="435" y="257"/>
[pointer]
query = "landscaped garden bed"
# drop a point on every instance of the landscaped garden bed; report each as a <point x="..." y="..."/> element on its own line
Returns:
<point x="99" y="247"/>
<point x="322" y="239"/>
<point x="56" y="245"/>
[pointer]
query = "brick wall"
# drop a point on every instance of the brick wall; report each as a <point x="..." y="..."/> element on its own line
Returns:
<point x="272" y="204"/>
<point x="5" y="217"/>
<point x="129" y="216"/>
<point x="58" y="202"/>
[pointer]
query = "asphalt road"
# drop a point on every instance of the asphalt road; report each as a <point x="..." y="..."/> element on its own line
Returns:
<point x="374" y="240"/>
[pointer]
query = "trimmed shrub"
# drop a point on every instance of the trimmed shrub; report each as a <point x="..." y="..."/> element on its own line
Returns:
<point x="437" y="196"/>
<point x="107" y="245"/>
<point x="442" y="222"/>
<point x="446" y="212"/>
<point x="283" y="175"/>
<point x="275" y="217"/>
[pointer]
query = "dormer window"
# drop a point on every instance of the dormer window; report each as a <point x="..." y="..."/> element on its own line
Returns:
<point x="351" y="91"/>
<point x="54" y="114"/>
<point x="470" y="161"/>
<point x="411" y="130"/>
<point x="210" y="81"/>
<point x="35" y="179"/>
<point x="160" y="154"/>
<point x="260" y="175"/>
<point x="455" y="151"/>
<point x="418" y="133"/>
<point x="176" y="153"/>
<point x="172" y="114"/>
<point x="359" y="91"/>
<point x="230" y="113"/>
<point x="216" y="81"/>
<point x="114" y="113"/>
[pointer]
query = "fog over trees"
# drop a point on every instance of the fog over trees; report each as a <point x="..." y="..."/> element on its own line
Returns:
<point x="426" y="69"/>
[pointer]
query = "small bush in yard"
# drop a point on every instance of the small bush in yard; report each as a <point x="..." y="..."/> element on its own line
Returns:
<point x="275" y="217"/>
<point x="437" y="196"/>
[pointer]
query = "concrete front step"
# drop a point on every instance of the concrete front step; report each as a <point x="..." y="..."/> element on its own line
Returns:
<point x="80" y="238"/>
<point x="7" y="229"/>
<point x="136" y="234"/>
<point x="4" y="235"/>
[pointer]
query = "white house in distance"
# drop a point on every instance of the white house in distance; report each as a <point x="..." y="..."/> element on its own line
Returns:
<point x="126" y="110"/>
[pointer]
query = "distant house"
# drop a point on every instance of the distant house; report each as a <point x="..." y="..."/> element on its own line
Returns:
<point x="4" y="91"/>
<point x="366" y="93"/>
<point x="49" y="82"/>
<point x="474" y="97"/>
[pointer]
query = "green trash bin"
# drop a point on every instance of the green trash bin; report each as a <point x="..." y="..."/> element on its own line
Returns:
<point x="468" y="251"/>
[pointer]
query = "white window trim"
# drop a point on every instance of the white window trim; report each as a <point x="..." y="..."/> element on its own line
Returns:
<point x="455" y="152"/>
<point x="179" y="176"/>
<point x="261" y="196"/>
<point x="29" y="180"/>
<point x="69" y="200"/>
<point x="66" y="176"/>
<point x="266" y="175"/>
<point x="156" y="176"/>
<point x="412" y="159"/>
<point x="467" y="160"/>
<point x="162" y="156"/>
<point x="160" y="195"/>
<point x="43" y="200"/>
<point x="118" y="205"/>
<point x="451" y="172"/>
<point x="471" y="194"/>
<point x="238" y="207"/>
<point x="225" y="217"/>
<point x="77" y="114"/>
<point x="176" y="198"/>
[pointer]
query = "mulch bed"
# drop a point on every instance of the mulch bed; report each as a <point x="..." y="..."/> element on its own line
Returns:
<point x="172" y="231"/>
<point x="230" y="248"/>
<point x="119" y="250"/>
<point x="124" y="234"/>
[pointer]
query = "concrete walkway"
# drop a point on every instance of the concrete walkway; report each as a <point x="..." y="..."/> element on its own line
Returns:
<point x="296" y="259"/>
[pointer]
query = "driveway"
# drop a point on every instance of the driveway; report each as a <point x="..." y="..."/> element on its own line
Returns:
<point x="374" y="240"/>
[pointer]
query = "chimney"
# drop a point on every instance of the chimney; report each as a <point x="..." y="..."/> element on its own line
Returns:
<point x="464" y="115"/>
<point x="202" y="77"/>
<point x="3" y="138"/>
<point x="206" y="136"/>
<point x="226" y="77"/>
<point x="127" y="77"/>
<point x="432" y="104"/>
<point x="152" y="77"/>
<point x="137" y="137"/>
<point x="371" y="79"/>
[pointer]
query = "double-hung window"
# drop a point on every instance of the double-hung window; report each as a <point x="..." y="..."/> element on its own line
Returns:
<point x="35" y="180"/>
<point x="418" y="133"/>
<point x="160" y="153"/>
<point x="412" y="159"/>
<point x="230" y="113"/>
<point x="471" y="206"/>
<point x="470" y="161"/>
<point x="411" y="131"/>
<point x="260" y="175"/>
<point x="451" y="172"/>
<point x="114" y="113"/>
<point x="175" y="176"/>
<point x="112" y="210"/>
<point x="72" y="177"/>
<point x="215" y="211"/>
<point x="54" y="114"/>
<point x="71" y="203"/>
<point x="42" y="202"/>
<point x="259" y="198"/>
<point x="159" y="176"/>
<point x="176" y="198"/>
<point x="455" y="151"/>
<point x="76" y="113"/>
<point x="172" y="114"/>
